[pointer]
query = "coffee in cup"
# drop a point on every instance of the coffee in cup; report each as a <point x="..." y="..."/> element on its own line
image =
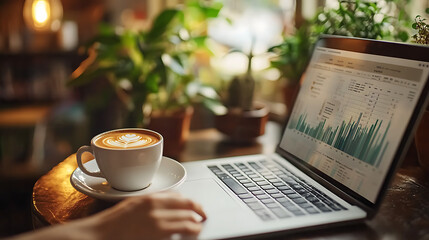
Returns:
<point x="127" y="158"/>
<point x="126" y="139"/>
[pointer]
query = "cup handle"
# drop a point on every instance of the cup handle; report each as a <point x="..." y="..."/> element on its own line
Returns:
<point x="79" y="153"/>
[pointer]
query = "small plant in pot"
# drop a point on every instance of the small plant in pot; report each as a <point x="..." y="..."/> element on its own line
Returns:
<point x="292" y="57"/>
<point x="422" y="28"/>
<point x="245" y="119"/>
<point x="151" y="73"/>
<point x="421" y="137"/>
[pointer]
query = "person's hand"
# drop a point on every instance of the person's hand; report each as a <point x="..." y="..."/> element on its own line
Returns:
<point x="154" y="216"/>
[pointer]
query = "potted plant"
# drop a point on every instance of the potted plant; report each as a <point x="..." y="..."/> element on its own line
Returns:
<point x="245" y="118"/>
<point x="351" y="18"/>
<point x="150" y="72"/>
<point x="422" y="28"/>
<point x="421" y="138"/>
<point x="291" y="59"/>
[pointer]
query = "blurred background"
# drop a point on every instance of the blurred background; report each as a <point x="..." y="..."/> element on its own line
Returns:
<point x="44" y="43"/>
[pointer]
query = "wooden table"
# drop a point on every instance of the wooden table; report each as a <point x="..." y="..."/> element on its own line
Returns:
<point x="403" y="215"/>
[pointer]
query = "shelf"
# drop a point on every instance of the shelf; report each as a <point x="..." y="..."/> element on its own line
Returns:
<point x="25" y="116"/>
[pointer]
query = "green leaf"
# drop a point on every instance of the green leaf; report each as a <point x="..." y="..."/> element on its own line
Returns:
<point x="160" y="24"/>
<point x="214" y="106"/>
<point x="151" y="83"/>
<point x="106" y="29"/>
<point x="211" y="12"/>
<point x="427" y="10"/>
<point x="124" y="67"/>
<point x="199" y="41"/>
<point x="403" y="36"/>
<point x="414" y="26"/>
<point x="128" y="39"/>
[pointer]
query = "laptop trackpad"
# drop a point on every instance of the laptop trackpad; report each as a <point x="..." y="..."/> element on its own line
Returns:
<point x="210" y="195"/>
<point x="223" y="212"/>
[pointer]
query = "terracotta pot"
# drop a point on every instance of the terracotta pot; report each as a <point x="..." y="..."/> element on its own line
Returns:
<point x="174" y="127"/>
<point x="243" y="126"/>
<point x="422" y="141"/>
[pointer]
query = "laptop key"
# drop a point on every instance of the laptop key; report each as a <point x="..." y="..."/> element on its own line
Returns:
<point x="288" y="192"/>
<point x="267" y="201"/>
<point x="301" y="191"/>
<point x="254" y="188"/>
<point x="258" y="179"/>
<point x="262" y="196"/>
<point x="305" y="205"/>
<point x="292" y="195"/>
<point x="271" y="191"/>
<point x="233" y="185"/>
<point x="325" y="209"/>
<point x="322" y="207"/>
<point x="248" y="185"/>
<point x="272" y="205"/>
<point x="283" y="200"/>
<point x="298" y="213"/>
<point x="277" y="195"/>
<point x="258" y="192"/>
<point x="274" y="180"/>
<point x="245" y="195"/>
<point x="280" y="212"/>
<point x="249" y="200"/>
<point x="222" y="175"/>
<point x="243" y="180"/>
<point x="264" y="214"/>
<point x="295" y="210"/>
<point x="299" y="200"/>
<point x="227" y="166"/>
<point x="255" y="206"/>
<point x="311" y="210"/>
<point x="335" y="207"/>
<point x="262" y="183"/>
<point x="271" y="177"/>
<point x="281" y="186"/>
<point x="312" y="199"/>
<point x="268" y="187"/>
<point x="255" y="166"/>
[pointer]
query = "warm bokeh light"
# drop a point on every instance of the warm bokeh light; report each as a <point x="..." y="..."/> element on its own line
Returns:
<point x="43" y="15"/>
<point x="41" y="12"/>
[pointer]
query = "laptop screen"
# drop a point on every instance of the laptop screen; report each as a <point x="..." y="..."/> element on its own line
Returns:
<point x="354" y="108"/>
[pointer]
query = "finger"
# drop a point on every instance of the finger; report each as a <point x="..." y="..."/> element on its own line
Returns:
<point x="154" y="200"/>
<point x="184" y="203"/>
<point x="181" y="227"/>
<point x="176" y="215"/>
<point x="168" y="200"/>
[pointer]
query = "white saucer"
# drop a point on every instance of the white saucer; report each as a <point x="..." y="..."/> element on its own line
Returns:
<point x="169" y="175"/>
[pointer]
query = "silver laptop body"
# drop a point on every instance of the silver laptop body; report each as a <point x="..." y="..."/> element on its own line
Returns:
<point x="358" y="105"/>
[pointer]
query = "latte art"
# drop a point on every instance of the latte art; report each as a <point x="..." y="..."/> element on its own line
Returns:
<point x="124" y="140"/>
<point x="127" y="141"/>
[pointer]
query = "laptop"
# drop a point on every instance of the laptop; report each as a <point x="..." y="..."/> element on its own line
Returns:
<point x="353" y="120"/>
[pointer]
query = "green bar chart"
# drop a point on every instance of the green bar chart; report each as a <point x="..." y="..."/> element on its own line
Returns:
<point x="366" y="143"/>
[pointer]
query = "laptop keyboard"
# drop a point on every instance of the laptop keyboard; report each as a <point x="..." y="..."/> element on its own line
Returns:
<point x="272" y="191"/>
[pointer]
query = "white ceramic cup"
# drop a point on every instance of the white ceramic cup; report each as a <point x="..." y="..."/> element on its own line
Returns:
<point x="127" y="163"/>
